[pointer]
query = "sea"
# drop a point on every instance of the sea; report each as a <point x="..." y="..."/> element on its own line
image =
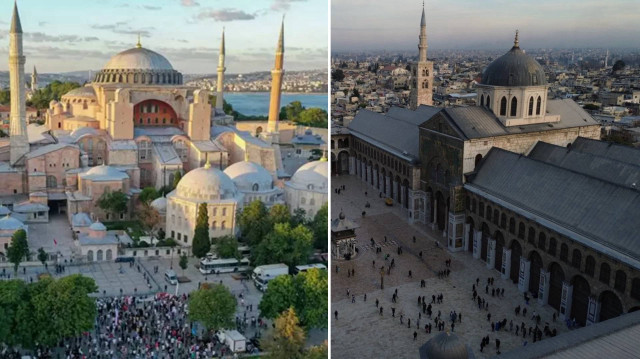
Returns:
<point x="257" y="103"/>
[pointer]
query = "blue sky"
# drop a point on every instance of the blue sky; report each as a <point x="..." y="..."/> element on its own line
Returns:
<point x="485" y="24"/>
<point x="73" y="35"/>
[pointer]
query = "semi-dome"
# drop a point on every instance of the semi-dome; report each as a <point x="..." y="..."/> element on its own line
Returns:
<point x="160" y="204"/>
<point x="313" y="176"/>
<point x="249" y="176"/>
<point x="445" y="346"/>
<point x="85" y="91"/>
<point x="515" y="68"/>
<point x="139" y="66"/>
<point x="138" y="58"/>
<point x="104" y="173"/>
<point x="206" y="184"/>
<point x="9" y="223"/>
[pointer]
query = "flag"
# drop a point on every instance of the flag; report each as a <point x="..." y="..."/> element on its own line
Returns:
<point x="55" y="242"/>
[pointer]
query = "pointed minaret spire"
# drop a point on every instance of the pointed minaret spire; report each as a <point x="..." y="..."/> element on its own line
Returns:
<point x="18" y="142"/>
<point x="516" y="43"/>
<point x="139" y="44"/>
<point x="423" y="22"/>
<point x="422" y="45"/>
<point x="221" y="70"/>
<point x="16" y="26"/>
<point x="276" y="86"/>
<point x="34" y="79"/>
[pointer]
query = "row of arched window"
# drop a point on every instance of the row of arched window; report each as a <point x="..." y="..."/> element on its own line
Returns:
<point x="174" y="78"/>
<point x="493" y="215"/>
<point x="513" y="109"/>
<point x="383" y="158"/>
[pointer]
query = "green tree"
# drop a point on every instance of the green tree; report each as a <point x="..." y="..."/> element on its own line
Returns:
<point x="355" y="93"/>
<point x="253" y="222"/>
<point x="299" y="217"/>
<point x="279" y="213"/>
<point x="13" y="296"/>
<point x="337" y="75"/>
<point x="285" y="244"/>
<point x="292" y="111"/>
<point x="177" y="176"/>
<point x="618" y="65"/>
<point x="314" y="117"/>
<point x="201" y="241"/>
<point x="591" y="107"/>
<point x="18" y="249"/>
<point x="227" y="247"/>
<point x="64" y="308"/>
<point x="5" y="97"/>
<point x="288" y="338"/>
<point x="318" y="352"/>
<point x="113" y="202"/>
<point x="42" y="256"/>
<point x="53" y="91"/>
<point x="184" y="262"/>
<point x="306" y="292"/>
<point x="319" y="226"/>
<point x="148" y="194"/>
<point x="213" y="306"/>
<point x="149" y="217"/>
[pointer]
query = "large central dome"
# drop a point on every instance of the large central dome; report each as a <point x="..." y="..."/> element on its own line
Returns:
<point x="205" y="184"/>
<point x="139" y="66"/>
<point x="138" y="58"/>
<point x="515" y="68"/>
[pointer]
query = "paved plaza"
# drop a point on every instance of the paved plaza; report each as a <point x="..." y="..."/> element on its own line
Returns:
<point x="361" y="332"/>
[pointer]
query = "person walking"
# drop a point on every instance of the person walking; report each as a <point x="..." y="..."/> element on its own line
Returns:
<point x="415" y="336"/>
<point x="335" y="314"/>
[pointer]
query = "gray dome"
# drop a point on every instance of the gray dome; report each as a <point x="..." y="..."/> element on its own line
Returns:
<point x="85" y="91"/>
<point x="445" y="346"/>
<point x="138" y="58"/>
<point x="515" y="68"/>
<point x="139" y="66"/>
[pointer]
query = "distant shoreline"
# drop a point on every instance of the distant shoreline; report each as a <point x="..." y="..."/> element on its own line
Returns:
<point x="284" y="93"/>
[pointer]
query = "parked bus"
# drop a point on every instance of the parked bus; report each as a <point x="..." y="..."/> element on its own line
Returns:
<point x="213" y="266"/>
<point x="245" y="251"/>
<point x="306" y="267"/>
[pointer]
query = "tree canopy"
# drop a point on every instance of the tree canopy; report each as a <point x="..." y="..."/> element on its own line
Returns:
<point x="46" y="311"/>
<point x="285" y="244"/>
<point x="618" y="65"/>
<point x="148" y="194"/>
<point x="319" y="226"/>
<point x="18" y="248"/>
<point x="313" y="117"/>
<point x="201" y="241"/>
<point x="227" y="247"/>
<point x="288" y="338"/>
<point x="213" y="306"/>
<point x="113" y="202"/>
<point x="306" y="292"/>
<point x="252" y="222"/>
<point x="53" y="91"/>
<point x="337" y="75"/>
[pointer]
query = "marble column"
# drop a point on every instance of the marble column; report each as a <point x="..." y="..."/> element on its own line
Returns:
<point x="467" y="228"/>
<point x="543" y="290"/>
<point x="565" y="300"/>
<point x="506" y="263"/>
<point x="524" y="274"/>
<point x="477" y="244"/>
<point x="593" y="311"/>
<point x="491" y="254"/>
<point x="352" y="165"/>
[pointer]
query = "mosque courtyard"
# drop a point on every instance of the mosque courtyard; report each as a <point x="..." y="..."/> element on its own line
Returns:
<point x="360" y="331"/>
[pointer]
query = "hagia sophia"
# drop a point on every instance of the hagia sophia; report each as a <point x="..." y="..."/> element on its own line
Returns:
<point x="135" y="125"/>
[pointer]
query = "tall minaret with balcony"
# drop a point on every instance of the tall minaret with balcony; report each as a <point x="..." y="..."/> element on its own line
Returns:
<point x="422" y="92"/>
<point x="220" y="82"/>
<point x="34" y="80"/>
<point x="19" y="144"/>
<point x="276" y="89"/>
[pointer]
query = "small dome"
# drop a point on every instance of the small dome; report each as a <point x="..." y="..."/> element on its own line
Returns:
<point x="9" y="223"/>
<point x="160" y="204"/>
<point x="138" y="58"/>
<point x="4" y="210"/>
<point x="445" y="346"/>
<point x="313" y="176"/>
<point x="249" y="176"/>
<point x="86" y="91"/>
<point x="97" y="226"/>
<point x="515" y="69"/>
<point x="206" y="183"/>
<point x="104" y="173"/>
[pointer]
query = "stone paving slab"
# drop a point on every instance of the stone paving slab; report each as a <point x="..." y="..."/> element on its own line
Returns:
<point x="361" y="332"/>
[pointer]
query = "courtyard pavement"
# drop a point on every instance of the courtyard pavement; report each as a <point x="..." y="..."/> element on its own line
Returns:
<point x="361" y="332"/>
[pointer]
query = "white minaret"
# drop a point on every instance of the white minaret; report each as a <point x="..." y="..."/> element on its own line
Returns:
<point x="221" y="69"/>
<point x="34" y="80"/>
<point x="276" y="84"/>
<point x="19" y="144"/>
<point x="606" y="60"/>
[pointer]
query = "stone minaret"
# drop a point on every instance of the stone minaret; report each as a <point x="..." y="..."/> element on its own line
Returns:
<point x="19" y="144"/>
<point x="276" y="85"/>
<point x="422" y="93"/>
<point x="34" y="80"/>
<point x="221" y="69"/>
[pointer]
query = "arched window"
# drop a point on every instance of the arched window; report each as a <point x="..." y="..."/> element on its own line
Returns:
<point x="144" y="151"/>
<point x="512" y="226"/>
<point x="564" y="252"/>
<point x="223" y="225"/>
<point x="473" y="205"/>
<point x="620" y="283"/>
<point x="530" y="106"/>
<point x="503" y="221"/>
<point x="521" y="230"/>
<point x="312" y="201"/>
<point x="478" y="159"/>
<point x="488" y="101"/>
<point x="576" y="259"/>
<point x="214" y="225"/>
<point x="503" y="106"/>
<point x="552" y="246"/>
<point x="489" y="213"/>
<point x="542" y="239"/>
<point x="514" y="106"/>
<point x="538" y="105"/>
<point x="425" y="84"/>
<point x="481" y="210"/>
<point x="303" y="200"/>
<point x="482" y="100"/>
<point x="496" y="217"/>
<point x="255" y="187"/>
<point x="531" y="238"/>
<point x="590" y="266"/>
<point x="52" y="182"/>
<point x="605" y="273"/>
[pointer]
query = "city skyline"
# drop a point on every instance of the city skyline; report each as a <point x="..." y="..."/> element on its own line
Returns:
<point x="79" y="36"/>
<point x="543" y="24"/>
